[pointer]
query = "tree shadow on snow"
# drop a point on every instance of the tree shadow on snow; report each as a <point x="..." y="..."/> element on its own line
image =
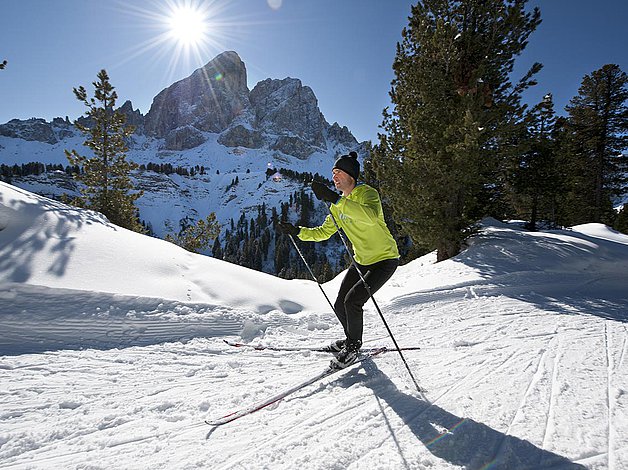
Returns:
<point x="21" y="243"/>
<point x="459" y="441"/>
<point x="564" y="271"/>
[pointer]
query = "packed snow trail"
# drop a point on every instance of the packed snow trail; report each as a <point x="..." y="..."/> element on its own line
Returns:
<point x="274" y="399"/>
<point x="112" y="362"/>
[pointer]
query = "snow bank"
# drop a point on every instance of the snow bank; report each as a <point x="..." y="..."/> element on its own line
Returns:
<point x="47" y="243"/>
<point x="49" y="250"/>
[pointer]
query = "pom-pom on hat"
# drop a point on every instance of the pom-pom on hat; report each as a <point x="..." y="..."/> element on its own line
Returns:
<point x="349" y="164"/>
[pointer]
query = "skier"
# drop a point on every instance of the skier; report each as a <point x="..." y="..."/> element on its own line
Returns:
<point x="358" y="211"/>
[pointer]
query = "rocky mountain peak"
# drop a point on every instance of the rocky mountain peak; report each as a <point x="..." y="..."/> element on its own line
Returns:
<point x="286" y="105"/>
<point x="33" y="129"/>
<point x="133" y="116"/>
<point x="208" y="100"/>
<point x="281" y="115"/>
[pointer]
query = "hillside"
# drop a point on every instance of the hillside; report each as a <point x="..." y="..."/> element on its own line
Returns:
<point x="113" y="358"/>
<point x="199" y="121"/>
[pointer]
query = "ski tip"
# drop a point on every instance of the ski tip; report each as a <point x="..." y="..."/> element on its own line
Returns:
<point x="215" y="423"/>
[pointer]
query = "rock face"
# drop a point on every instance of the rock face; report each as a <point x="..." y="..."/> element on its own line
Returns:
<point x="133" y="117"/>
<point x="208" y="100"/>
<point x="289" y="110"/>
<point x="280" y="115"/>
<point x="241" y="136"/>
<point x="342" y="135"/>
<point x="30" y="129"/>
<point x="184" y="138"/>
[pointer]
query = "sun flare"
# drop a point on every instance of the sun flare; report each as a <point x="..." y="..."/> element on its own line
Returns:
<point x="188" y="25"/>
<point x="183" y="33"/>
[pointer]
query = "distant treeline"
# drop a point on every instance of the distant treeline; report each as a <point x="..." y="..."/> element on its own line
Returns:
<point x="168" y="169"/>
<point x="34" y="168"/>
<point x="37" y="168"/>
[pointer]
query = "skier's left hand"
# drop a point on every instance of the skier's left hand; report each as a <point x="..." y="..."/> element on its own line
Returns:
<point x="288" y="228"/>
<point x="323" y="193"/>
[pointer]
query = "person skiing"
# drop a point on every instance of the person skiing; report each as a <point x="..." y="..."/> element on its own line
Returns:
<point x="358" y="212"/>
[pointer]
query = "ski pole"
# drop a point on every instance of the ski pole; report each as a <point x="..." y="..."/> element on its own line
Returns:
<point x="368" y="290"/>
<point x="312" y="273"/>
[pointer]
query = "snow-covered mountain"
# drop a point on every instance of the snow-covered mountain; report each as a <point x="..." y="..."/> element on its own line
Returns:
<point x="112" y="354"/>
<point x="211" y="120"/>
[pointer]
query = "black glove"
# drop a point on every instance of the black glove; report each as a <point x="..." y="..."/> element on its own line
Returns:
<point x="288" y="228"/>
<point x="323" y="193"/>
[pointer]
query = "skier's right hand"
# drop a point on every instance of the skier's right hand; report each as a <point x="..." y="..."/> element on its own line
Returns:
<point x="323" y="193"/>
<point x="288" y="228"/>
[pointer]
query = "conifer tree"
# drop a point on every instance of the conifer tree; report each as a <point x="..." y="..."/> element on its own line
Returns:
<point x="106" y="177"/>
<point x="453" y="110"/>
<point x="535" y="181"/>
<point x="217" y="249"/>
<point x="595" y="145"/>
<point x="196" y="237"/>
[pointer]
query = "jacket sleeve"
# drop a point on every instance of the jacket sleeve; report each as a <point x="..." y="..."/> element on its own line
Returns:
<point x="317" y="234"/>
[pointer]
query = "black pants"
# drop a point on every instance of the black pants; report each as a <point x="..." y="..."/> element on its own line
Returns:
<point x="353" y="295"/>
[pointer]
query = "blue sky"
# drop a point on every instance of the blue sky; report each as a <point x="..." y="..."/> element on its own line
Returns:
<point x="342" y="49"/>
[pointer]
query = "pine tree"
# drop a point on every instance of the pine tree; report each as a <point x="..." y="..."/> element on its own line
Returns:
<point x="217" y="249"/>
<point x="454" y="108"/>
<point x="196" y="237"/>
<point x="597" y="136"/>
<point x="106" y="177"/>
<point x="535" y="181"/>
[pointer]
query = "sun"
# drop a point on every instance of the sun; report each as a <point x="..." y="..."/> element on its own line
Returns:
<point x="182" y="33"/>
<point x="187" y="25"/>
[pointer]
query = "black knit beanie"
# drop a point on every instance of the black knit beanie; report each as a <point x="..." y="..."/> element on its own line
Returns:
<point x="349" y="164"/>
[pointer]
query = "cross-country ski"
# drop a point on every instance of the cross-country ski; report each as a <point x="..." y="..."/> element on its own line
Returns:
<point x="324" y="349"/>
<point x="328" y="371"/>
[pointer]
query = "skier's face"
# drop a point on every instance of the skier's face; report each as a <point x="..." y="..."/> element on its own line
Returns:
<point x="342" y="181"/>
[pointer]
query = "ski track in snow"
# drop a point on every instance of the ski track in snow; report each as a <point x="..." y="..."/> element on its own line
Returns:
<point x="157" y="395"/>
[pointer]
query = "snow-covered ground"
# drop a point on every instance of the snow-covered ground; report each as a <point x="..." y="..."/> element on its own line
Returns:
<point x="112" y="354"/>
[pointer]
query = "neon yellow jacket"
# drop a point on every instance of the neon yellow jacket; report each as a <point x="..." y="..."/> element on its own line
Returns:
<point x="360" y="216"/>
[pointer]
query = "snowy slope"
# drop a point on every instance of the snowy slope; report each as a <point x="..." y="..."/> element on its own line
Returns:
<point x="113" y="358"/>
<point x="169" y="198"/>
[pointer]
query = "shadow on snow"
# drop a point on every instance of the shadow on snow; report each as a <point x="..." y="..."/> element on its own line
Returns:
<point x="457" y="440"/>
